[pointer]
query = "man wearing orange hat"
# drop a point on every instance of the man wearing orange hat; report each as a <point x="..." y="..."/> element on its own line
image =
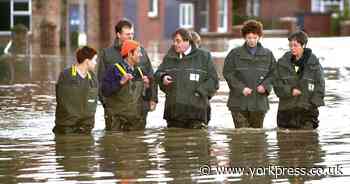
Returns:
<point x="124" y="30"/>
<point x="123" y="86"/>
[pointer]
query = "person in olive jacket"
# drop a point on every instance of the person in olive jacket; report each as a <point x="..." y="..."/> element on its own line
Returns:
<point x="76" y="95"/>
<point x="123" y="86"/>
<point x="188" y="78"/>
<point x="124" y="30"/>
<point x="299" y="84"/>
<point x="247" y="71"/>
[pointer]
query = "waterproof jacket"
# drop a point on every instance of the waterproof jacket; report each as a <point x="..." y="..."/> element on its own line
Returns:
<point x="310" y="82"/>
<point x="76" y="98"/>
<point x="195" y="81"/>
<point x="111" y="55"/>
<point x="242" y="69"/>
<point x="126" y="100"/>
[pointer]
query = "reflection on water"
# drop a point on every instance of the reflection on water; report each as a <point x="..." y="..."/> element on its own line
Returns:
<point x="30" y="153"/>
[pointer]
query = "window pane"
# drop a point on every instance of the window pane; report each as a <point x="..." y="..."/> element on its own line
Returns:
<point x="221" y="21"/>
<point x="222" y="5"/>
<point x="5" y="18"/>
<point x="21" y="6"/>
<point x="190" y="15"/>
<point x="183" y="19"/>
<point x="150" y="5"/>
<point x="21" y="20"/>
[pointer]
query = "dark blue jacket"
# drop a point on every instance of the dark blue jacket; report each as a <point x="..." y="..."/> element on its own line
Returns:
<point x="111" y="81"/>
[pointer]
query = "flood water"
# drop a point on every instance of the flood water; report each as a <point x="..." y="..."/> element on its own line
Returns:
<point x="30" y="152"/>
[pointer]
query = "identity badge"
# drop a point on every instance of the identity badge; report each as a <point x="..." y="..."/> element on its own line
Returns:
<point x="91" y="100"/>
<point x="311" y="87"/>
<point x="194" y="77"/>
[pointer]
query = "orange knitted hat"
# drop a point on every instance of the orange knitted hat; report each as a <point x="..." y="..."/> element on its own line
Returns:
<point x="127" y="46"/>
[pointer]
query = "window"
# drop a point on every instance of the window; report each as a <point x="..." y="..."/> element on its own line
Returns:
<point x="327" y="5"/>
<point x="153" y="8"/>
<point x="186" y="15"/>
<point x="204" y="16"/>
<point x="222" y="16"/>
<point x="253" y="8"/>
<point x="14" y="12"/>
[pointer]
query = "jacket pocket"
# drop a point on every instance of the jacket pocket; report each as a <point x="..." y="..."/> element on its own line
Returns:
<point x="92" y="100"/>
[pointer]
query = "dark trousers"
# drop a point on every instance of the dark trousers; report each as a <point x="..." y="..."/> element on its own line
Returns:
<point x="247" y="119"/>
<point x="298" y="118"/>
<point x="192" y="124"/>
<point x="123" y="123"/>
<point x="81" y="127"/>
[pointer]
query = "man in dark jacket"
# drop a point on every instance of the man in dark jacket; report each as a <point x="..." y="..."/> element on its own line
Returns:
<point x="189" y="79"/>
<point x="299" y="84"/>
<point x="76" y="95"/>
<point x="109" y="56"/>
<point x="248" y="70"/>
<point x="123" y="87"/>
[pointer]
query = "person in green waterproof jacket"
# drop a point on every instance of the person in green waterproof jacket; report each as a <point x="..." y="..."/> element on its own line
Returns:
<point x="123" y="86"/>
<point x="299" y="83"/>
<point x="189" y="79"/>
<point x="77" y="94"/>
<point x="248" y="73"/>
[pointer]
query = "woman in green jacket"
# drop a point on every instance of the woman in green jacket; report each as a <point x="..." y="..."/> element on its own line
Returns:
<point x="76" y="95"/>
<point x="299" y="84"/>
<point x="247" y="71"/>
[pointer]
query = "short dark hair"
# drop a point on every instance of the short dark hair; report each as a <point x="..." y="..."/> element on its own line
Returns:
<point x="299" y="36"/>
<point x="121" y="24"/>
<point x="85" y="52"/>
<point x="184" y="33"/>
<point x="252" y="26"/>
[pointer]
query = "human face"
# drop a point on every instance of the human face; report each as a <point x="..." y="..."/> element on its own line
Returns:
<point x="135" y="56"/>
<point x="180" y="45"/>
<point x="252" y="39"/>
<point x="92" y="63"/>
<point x="126" y="34"/>
<point x="296" y="48"/>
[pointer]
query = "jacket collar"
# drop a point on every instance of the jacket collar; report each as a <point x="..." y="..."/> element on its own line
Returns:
<point x="259" y="49"/>
<point x="173" y="54"/>
<point x="117" y="44"/>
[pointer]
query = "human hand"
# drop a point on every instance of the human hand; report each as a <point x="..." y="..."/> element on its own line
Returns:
<point x="247" y="91"/>
<point x="296" y="92"/>
<point x="167" y="80"/>
<point x="126" y="78"/>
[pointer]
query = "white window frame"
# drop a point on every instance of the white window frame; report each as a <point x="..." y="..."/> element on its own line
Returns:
<point x="205" y="13"/>
<point x="153" y="13"/>
<point x="186" y="13"/>
<point x="19" y="13"/>
<point x="224" y="14"/>
<point x="320" y="5"/>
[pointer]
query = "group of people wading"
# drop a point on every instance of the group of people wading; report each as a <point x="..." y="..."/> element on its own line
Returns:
<point x="127" y="85"/>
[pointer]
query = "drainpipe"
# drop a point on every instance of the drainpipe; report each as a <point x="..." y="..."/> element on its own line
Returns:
<point x="82" y="38"/>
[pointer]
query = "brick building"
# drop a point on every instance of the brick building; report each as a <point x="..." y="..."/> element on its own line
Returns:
<point x="56" y="22"/>
<point x="314" y="16"/>
<point x="42" y="19"/>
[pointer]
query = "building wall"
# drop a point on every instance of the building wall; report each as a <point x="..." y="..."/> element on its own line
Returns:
<point x="150" y="29"/>
<point x="317" y="24"/>
<point x="274" y="9"/>
<point x="131" y="13"/>
<point x="229" y="15"/>
<point x="111" y="11"/>
<point x="49" y="11"/>
<point x="93" y="23"/>
<point x="171" y="22"/>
